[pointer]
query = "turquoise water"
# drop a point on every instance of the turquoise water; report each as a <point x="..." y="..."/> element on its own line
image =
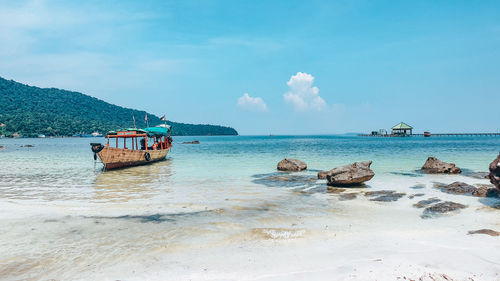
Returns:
<point x="61" y="167"/>
<point x="67" y="219"/>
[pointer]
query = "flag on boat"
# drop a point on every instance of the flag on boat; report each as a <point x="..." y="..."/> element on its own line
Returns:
<point x="163" y="118"/>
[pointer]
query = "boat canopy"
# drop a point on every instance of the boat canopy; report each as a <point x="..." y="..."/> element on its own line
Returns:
<point x="157" y="131"/>
<point x="136" y="130"/>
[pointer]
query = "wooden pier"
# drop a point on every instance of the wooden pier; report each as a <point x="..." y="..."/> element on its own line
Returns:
<point x="432" y="135"/>
<point x="460" y="134"/>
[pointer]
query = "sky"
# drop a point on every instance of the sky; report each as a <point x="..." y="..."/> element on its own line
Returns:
<point x="268" y="67"/>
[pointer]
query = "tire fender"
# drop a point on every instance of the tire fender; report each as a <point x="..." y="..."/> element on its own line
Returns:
<point x="96" y="148"/>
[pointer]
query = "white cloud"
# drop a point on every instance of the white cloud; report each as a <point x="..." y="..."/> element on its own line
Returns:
<point x="302" y="95"/>
<point x="250" y="103"/>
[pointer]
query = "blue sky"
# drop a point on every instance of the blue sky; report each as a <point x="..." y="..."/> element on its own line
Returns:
<point x="280" y="67"/>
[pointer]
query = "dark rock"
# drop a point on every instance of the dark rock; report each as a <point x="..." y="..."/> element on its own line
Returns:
<point x="384" y="195"/>
<point x="442" y="208"/>
<point x="476" y="175"/>
<point x="485" y="191"/>
<point x="379" y="193"/>
<point x="487" y="185"/>
<point x="323" y="174"/>
<point x="191" y="142"/>
<point x="415" y="195"/>
<point x="462" y="188"/>
<point x="426" y="202"/>
<point x="353" y="174"/>
<point x="418" y="186"/>
<point x="485" y="231"/>
<point x="332" y="189"/>
<point x="347" y="196"/>
<point x="1" y="146"/>
<point x="436" y="166"/>
<point x="456" y="188"/>
<point x="389" y="197"/>
<point x="27" y="145"/>
<point x="291" y="165"/>
<point x="280" y="179"/>
<point x="495" y="172"/>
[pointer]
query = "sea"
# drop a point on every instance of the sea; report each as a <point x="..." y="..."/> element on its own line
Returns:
<point x="220" y="210"/>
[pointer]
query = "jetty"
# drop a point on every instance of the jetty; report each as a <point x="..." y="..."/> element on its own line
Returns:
<point x="404" y="130"/>
<point x="460" y="134"/>
<point x="434" y="135"/>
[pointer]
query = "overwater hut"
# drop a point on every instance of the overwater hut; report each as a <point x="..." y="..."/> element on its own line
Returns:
<point x="402" y="129"/>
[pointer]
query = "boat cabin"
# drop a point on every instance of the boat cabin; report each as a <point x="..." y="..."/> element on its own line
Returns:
<point x="153" y="138"/>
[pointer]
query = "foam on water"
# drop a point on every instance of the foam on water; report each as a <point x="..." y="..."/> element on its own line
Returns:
<point x="66" y="219"/>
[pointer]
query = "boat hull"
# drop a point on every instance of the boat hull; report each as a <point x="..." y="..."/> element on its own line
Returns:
<point x="114" y="158"/>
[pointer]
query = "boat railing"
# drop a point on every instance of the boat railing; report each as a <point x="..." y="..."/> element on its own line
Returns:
<point x="159" y="142"/>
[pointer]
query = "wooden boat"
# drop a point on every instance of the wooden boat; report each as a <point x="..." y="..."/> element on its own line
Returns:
<point x="155" y="143"/>
<point x="427" y="134"/>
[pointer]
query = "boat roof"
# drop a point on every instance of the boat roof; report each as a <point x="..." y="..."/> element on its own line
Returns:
<point x="136" y="130"/>
<point x="157" y="131"/>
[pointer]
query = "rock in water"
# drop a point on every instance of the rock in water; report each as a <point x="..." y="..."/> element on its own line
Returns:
<point x="389" y="197"/>
<point x="291" y="165"/>
<point x="495" y="172"/>
<point x="436" y="166"/>
<point x="427" y="202"/>
<point x="457" y="188"/>
<point x="384" y="195"/>
<point x="442" y="208"/>
<point x="322" y="174"/>
<point x="485" y="191"/>
<point x="353" y="174"/>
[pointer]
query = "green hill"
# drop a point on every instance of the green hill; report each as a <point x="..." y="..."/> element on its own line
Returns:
<point x="30" y="111"/>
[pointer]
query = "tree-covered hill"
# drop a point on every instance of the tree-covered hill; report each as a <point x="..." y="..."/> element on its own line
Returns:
<point x="30" y="111"/>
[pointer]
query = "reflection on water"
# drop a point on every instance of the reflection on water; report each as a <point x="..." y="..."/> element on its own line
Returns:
<point x="139" y="182"/>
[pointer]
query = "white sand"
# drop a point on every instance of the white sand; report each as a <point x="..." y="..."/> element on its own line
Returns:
<point x="263" y="234"/>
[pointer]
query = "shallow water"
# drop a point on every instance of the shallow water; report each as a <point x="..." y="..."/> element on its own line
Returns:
<point x="63" y="218"/>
